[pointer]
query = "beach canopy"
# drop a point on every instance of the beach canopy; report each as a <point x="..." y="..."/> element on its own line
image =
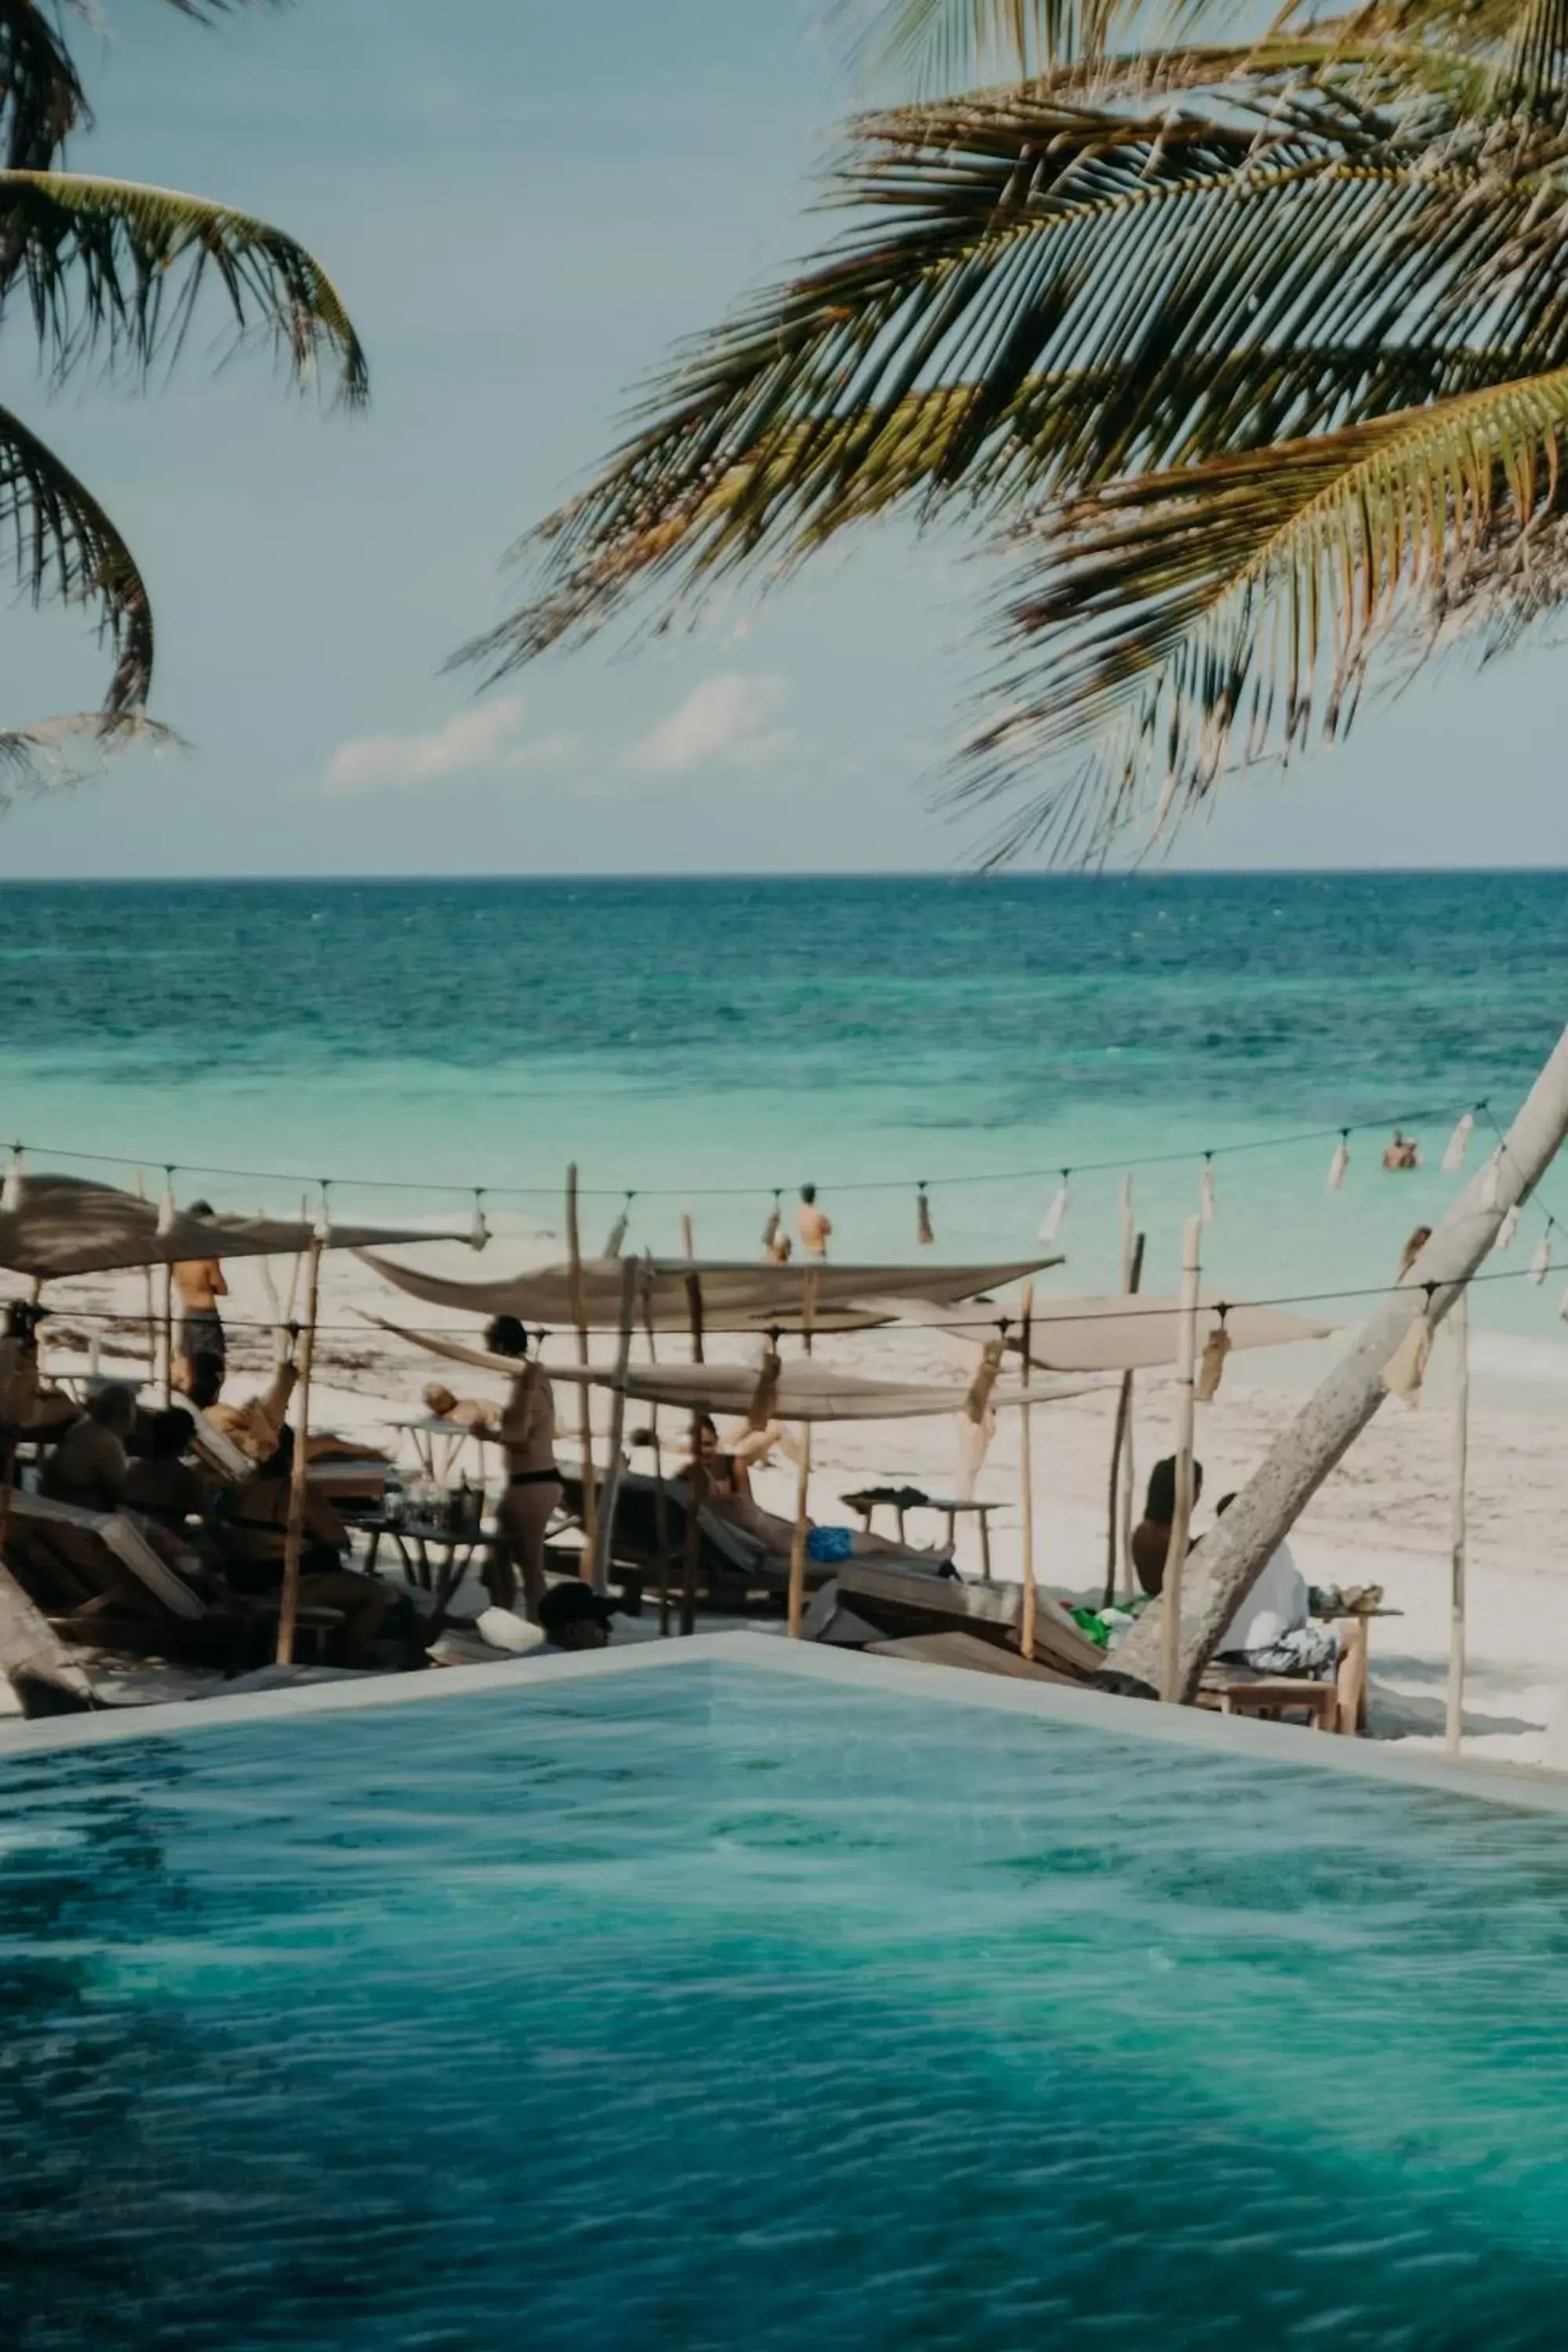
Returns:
<point x="1126" y="1333"/>
<point x="737" y="1295"/>
<point x="63" y="1225"/>
<point x="805" y="1391"/>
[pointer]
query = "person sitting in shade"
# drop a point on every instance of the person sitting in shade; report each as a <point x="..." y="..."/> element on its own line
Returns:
<point x="1151" y="1536"/>
<point x="811" y="1223"/>
<point x="90" y="1465"/>
<point x="571" y="1617"/>
<point x="1271" y="1632"/>
<point x="443" y="1404"/>
<point x="160" y="1484"/>
<point x="728" y="1472"/>
<point x="1400" y="1153"/>
<point x="255" y="1425"/>
<point x="252" y="1531"/>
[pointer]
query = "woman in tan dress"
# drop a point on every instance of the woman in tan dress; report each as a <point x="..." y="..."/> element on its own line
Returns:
<point x="533" y="1488"/>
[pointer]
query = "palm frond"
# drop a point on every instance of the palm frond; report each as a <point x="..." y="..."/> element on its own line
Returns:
<point x="113" y="267"/>
<point x="41" y="99"/>
<point x="58" y="754"/>
<point x="1173" y="625"/>
<point x="64" y="546"/>
<point x="1063" y="293"/>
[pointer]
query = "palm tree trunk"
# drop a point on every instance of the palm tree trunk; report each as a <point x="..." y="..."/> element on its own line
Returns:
<point x="1223" y="1568"/>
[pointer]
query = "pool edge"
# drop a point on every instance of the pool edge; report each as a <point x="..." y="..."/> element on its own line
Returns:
<point x="1530" y="1786"/>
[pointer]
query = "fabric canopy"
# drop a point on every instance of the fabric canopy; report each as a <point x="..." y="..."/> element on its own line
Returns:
<point x="805" y="1391"/>
<point x="66" y="1226"/>
<point x="737" y="1295"/>
<point x="1125" y="1334"/>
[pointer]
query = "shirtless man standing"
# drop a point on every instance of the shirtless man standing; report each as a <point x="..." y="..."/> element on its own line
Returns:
<point x="200" y="1283"/>
<point x="810" y="1223"/>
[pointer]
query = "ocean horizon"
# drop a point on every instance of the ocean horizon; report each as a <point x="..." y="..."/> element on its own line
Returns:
<point x="701" y="1041"/>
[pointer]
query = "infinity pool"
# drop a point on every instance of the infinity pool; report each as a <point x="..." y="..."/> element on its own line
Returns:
<point x="723" y="2007"/>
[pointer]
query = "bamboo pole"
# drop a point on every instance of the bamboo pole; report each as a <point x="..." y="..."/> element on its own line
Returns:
<point x="1027" y="1485"/>
<point x="660" y="1499"/>
<point x="1119" y="1512"/>
<point x="1131" y="1277"/>
<point x="294" y="1541"/>
<point x="803" y="1484"/>
<point x="1459" y="1320"/>
<point x="609" y="1493"/>
<point x="150" y="1311"/>
<point x="585" y="1399"/>
<point x="696" y="1485"/>
<point x="168" y="1337"/>
<point x="1181" y="1525"/>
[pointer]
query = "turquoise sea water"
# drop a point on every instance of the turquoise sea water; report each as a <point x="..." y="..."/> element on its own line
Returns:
<point x="702" y="1042"/>
<point x="705" y="2007"/>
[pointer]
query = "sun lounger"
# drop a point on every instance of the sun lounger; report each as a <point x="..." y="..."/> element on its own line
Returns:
<point x="902" y="1604"/>
<point x="966" y="1651"/>
<point x="98" y="1554"/>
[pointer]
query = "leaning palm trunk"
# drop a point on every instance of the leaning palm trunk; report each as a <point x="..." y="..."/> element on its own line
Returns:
<point x="1226" y="1565"/>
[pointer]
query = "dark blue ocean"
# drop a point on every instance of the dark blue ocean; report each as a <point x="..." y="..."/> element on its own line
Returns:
<point x="700" y="1043"/>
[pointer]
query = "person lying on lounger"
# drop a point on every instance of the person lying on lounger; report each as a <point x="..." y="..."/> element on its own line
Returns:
<point x="88" y="1466"/>
<point x="160" y="1484"/>
<point x="252" y="1531"/>
<point x="728" y="1473"/>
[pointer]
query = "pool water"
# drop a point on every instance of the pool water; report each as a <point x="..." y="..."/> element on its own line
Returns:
<point x="720" y="2007"/>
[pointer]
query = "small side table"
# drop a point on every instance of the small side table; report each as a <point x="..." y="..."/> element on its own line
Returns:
<point x="952" y="1510"/>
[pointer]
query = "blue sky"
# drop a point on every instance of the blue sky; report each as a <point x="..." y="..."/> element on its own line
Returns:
<point x="524" y="206"/>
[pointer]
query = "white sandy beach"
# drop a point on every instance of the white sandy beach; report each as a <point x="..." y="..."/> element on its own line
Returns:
<point x="1383" y="1517"/>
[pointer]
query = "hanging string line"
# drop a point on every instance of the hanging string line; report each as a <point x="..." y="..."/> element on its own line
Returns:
<point x="1149" y="1311"/>
<point x="745" y="1192"/>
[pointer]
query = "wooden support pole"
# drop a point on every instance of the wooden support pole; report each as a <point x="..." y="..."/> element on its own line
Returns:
<point x="696" y="1482"/>
<point x="294" y="1543"/>
<point x="803" y="1484"/>
<point x="1181" y="1525"/>
<point x="1458" y="1323"/>
<point x="660" y="1499"/>
<point x="1030" y="1609"/>
<point x="609" y="1493"/>
<point x="168" y="1337"/>
<point x="147" y="1306"/>
<point x="584" y="1394"/>
<point x="1119" y="1516"/>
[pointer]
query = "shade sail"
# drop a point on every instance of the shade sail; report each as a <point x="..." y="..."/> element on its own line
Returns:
<point x="737" y="1295"/>
<point x="1125" y="1334"/>
<point x="65" y="1227"/>
<point x="806" y="1391"/>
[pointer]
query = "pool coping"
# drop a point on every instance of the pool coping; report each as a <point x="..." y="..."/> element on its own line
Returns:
<point x="1530" y="1787"/>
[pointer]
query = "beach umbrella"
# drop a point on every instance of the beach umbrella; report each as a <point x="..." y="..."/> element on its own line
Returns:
<point x="63" y="1225"/>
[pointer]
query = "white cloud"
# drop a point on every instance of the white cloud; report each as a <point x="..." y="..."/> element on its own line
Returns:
<point x="484" y="741"/>
<point x="726" y="718"/>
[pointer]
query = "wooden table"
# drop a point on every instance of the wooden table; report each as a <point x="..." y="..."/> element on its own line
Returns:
<point x="416" y="1541"/>
<point x="902" y="1500"/>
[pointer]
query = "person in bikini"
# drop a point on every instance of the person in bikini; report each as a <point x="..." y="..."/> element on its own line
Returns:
<point x="533" y="1488"/>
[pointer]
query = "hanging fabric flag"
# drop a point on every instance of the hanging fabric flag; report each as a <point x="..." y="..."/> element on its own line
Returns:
<point x="11" y="1191"/>
<point x="771" y="1230"/>
<point x="1459" y="1144"/>
<point x="1406" y="1368"/>
<point x="1340" y="1160"/>
<point x="1508" y="1227"/>
<point x="479" y="1231"/>
<point x="1211" y="1365"/>
<point x="1205" y="1190"/>
<point x="764" y="1402"/>
<point x="1051" y="1222"/>
<point x="1491" y="1182"/>
<point x="615" y="1238"/>
<point x="923" y="1234"/>
<point x="323" y="1229"/>
<point x="166" y="1204"/>
<point x="977" y="1421"/>
<point x="1541" y="1264"/>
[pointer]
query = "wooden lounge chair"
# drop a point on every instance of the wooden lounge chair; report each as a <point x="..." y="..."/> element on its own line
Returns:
<point x="98" y="1578"/>
<point x="904" y="1603"/>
